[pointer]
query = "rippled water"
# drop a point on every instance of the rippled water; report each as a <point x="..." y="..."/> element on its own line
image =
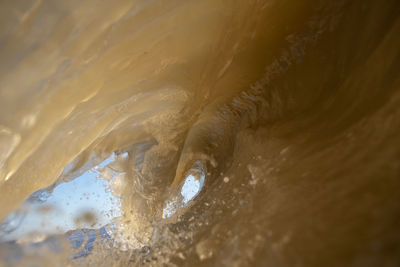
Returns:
<point x="230" y="133"/>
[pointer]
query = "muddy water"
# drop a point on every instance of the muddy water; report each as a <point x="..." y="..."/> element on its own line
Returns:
<point x="258" y="133"/>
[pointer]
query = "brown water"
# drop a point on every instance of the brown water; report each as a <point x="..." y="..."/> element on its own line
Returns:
<point x="284" y="113"/>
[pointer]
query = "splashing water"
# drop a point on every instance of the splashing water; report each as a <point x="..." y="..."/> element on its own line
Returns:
<point x="199" y="133"/>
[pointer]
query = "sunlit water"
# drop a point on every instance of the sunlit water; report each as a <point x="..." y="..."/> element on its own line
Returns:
<point x="200" y="133"/>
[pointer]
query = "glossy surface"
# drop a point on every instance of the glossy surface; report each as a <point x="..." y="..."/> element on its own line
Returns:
<point x="245" y="133"/>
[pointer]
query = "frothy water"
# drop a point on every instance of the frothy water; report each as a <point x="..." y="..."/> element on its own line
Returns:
<point x="199" y="133"/>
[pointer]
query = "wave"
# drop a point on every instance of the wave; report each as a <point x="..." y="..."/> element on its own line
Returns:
<point x="241" y="133"/>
